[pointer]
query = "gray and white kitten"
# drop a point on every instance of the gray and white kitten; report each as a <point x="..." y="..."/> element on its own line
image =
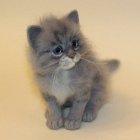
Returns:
<point x="67" y="71"/>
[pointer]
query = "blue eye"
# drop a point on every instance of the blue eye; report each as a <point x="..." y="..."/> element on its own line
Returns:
<point x="75" y="44"/>
<point x="57" y="51"/>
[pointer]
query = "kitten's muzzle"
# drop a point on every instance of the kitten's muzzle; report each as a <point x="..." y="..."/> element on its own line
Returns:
<point x="67" y="62"/>
<point x="71" y="53"/>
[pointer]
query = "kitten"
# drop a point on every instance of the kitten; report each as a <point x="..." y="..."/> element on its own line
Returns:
<point x="67" y="71"/>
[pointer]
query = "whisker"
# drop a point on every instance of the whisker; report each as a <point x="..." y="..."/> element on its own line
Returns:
<point x="84" y="53"/>
<point x="94" y="63"/>
<point x="77" y="81"/>
<point x="48" y="66"/>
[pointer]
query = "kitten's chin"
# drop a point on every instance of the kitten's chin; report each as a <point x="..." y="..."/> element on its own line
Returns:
<point x="67" y="67"/>
<point x="67" y="63"/>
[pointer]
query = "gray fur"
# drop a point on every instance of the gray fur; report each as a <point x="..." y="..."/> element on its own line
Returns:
<point x="83" y="85"/>
<point x="73" y="16"/>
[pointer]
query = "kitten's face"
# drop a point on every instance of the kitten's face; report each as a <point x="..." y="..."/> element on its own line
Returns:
<point x="57" y="42"/>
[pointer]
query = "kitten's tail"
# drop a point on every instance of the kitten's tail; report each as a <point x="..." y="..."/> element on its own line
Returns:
<point x="112" y="65"/>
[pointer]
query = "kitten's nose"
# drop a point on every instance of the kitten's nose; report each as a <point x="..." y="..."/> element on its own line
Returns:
<point x="71" y="53"/>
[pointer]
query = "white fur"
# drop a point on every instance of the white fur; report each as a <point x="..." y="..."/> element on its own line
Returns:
<point x="67" y="62"/>
<point x="60" y="87"/>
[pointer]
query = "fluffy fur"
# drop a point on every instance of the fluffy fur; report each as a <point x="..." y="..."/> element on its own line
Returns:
<point x="67" y="71"/>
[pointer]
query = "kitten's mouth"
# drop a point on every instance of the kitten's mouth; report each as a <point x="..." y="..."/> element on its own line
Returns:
<point x="68" y="63"/>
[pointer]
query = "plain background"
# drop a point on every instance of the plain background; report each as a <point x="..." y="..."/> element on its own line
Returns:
<point x="112" y="26"/>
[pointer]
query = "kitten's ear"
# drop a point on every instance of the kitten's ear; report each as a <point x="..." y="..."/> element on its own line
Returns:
<point x="73" y="16"/>
<point x="32" y="33"/>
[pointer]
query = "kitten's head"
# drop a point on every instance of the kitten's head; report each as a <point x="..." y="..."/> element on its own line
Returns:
<point x="57" y="42"/>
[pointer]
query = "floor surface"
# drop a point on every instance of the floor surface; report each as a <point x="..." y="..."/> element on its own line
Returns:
<point x="112" y="26"/>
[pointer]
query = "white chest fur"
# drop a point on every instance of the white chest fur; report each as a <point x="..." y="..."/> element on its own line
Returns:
<point x="60" y="87"/>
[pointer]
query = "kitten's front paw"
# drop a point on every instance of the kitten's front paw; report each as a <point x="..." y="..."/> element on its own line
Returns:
<point x="54" y="122"/>
<point x="89" y="115"/>
<point x="72" y="124"/>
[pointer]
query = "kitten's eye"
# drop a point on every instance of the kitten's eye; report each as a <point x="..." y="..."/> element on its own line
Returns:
<point x="75" y="44"/>
<point x="57" y="51"/>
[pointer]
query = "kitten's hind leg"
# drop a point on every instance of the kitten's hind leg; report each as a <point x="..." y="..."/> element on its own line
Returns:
<point x="90" y="113"/>
<point x="94" y="104"/>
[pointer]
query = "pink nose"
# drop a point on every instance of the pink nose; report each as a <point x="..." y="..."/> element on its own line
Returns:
<point x="71" y="53"/>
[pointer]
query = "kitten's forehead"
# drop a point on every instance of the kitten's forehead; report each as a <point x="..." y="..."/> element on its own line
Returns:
<point x="58" y="29"/>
